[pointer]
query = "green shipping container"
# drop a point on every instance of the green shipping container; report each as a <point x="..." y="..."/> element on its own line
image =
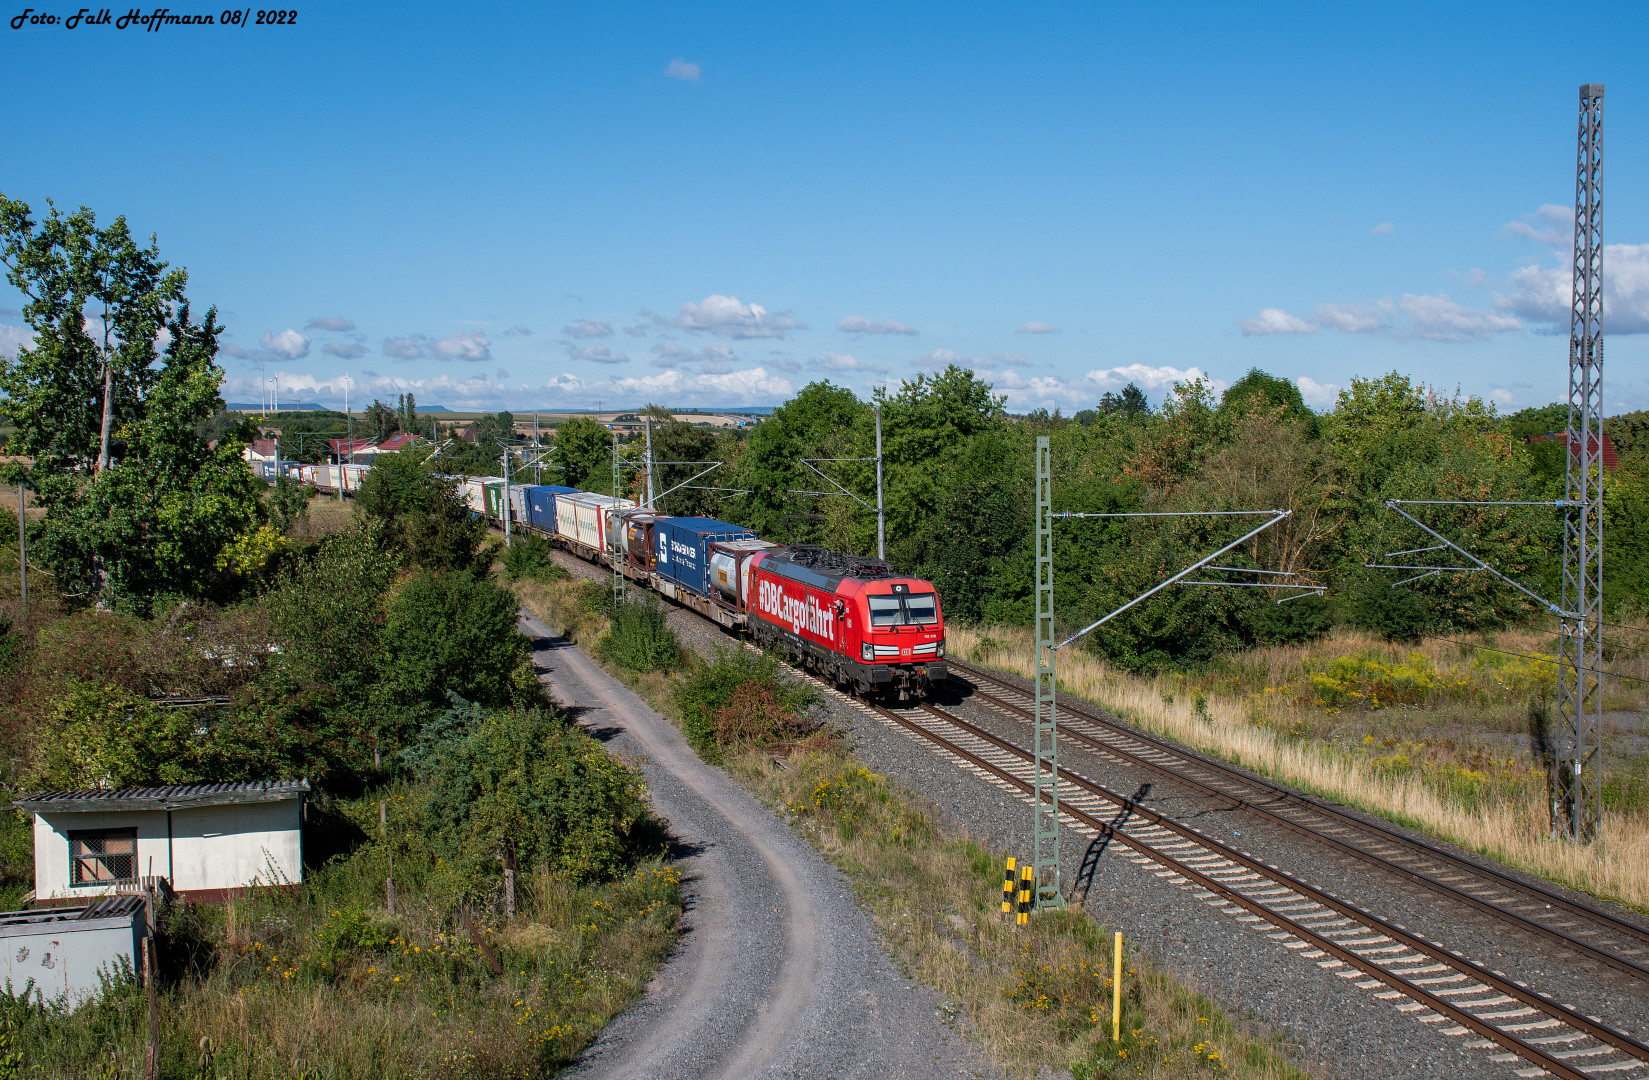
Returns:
<point x="493" y="493"/>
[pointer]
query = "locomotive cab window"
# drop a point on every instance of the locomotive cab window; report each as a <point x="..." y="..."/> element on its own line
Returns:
<point x="884" y="610"/>
<point x="920" y="608"/>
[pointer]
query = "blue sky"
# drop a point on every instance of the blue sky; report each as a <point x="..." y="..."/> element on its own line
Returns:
<point x="553" y="206"/>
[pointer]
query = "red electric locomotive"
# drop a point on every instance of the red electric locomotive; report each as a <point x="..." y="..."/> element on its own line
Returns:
<point x="851" y="618"/>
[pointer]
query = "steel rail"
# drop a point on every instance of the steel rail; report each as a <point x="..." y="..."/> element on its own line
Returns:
<point x="1281" y="793"/>
<point x="1556" y="937"/>
<point x="1533" y="999"/>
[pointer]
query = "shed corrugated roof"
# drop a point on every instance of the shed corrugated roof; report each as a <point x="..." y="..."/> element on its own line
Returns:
<point x="164" y="797"/>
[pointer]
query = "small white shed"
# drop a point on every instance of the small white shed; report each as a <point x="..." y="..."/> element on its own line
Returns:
<point x="58" y="955"/>
<point x="207" y="841"/>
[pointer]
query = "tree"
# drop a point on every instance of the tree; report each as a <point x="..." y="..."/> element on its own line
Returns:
<point x="97" y="304"/>
<point x="1127" y="404"/>
<point x="146" y="513"/>
<point x="584" y="450"/>
<point x="451" y="633"/>
<point x="822" y="421"/>
<point x="538" y="792"/>
<point x="421" y="513"/>
<point x="925" y="426"/>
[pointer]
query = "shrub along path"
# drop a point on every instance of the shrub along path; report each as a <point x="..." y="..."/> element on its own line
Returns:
<point x="780" y="973"/>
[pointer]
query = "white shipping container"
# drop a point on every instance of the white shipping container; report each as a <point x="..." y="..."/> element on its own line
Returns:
<point x="566" y="522"/>
<point x="518" y="504"/>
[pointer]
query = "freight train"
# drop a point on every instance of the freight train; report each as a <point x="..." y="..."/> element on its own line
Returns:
<point x="851" y="619"/>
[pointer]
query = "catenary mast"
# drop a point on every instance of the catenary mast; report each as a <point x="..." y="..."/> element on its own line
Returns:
<point x="1577" y="786"/>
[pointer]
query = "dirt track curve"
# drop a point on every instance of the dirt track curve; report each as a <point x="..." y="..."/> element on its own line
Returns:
<point x="779" y="973"/>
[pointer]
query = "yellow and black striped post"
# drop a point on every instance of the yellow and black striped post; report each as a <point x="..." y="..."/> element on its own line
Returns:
<point x="1027" y="885"/>
<point x="1007" y="888"/>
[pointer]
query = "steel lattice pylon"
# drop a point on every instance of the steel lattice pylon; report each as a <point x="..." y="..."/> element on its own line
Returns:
<point x="1577" y="786"/>
<point x="1045" y="797"/>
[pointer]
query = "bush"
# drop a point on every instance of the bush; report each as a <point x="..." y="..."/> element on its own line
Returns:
<point x="528" y="556"/>
<point x="105" y="736"/>
<point x="532" y="787"/>
<point x="1396" y="614"/>
<point x="289" y="503"/>
<point x="639" y="637"/>
<point x="741" y="698"/>
<point x="451" y="633"/>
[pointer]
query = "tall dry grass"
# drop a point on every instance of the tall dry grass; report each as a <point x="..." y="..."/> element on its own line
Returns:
<point x="1037" y="997"/>
<point x="1511" y="825"/>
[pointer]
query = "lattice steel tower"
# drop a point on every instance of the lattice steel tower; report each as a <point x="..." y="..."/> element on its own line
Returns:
<point x="1577" y="783"/>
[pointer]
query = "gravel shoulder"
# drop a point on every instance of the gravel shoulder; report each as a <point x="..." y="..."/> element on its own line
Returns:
<point x="779" y="974"/>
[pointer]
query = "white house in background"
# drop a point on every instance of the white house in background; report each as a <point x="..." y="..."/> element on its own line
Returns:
<point x="207" y="841"/>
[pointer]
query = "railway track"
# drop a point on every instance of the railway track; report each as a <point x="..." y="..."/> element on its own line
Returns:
<point x="1568" y="923"/>
<point x="1421" y="977"/>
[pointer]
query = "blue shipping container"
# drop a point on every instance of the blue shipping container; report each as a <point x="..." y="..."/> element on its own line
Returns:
<point x="541" y="505"/>
<point x="681" y="548"/>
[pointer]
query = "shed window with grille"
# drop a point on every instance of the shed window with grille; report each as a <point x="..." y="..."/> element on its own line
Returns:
<point x="103" y="857"/>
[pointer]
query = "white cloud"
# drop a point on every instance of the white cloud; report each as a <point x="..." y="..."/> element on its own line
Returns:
<point x="597" y="354"/>
<point x="1543" y="294"/>
<point x="859" y="324"/>
<point x="589" y="328"/>
<point x="1013" y="359"/>
<point x="753" y="386"/>
<point x="636" y="330"/>
<point x="1374" y="318"/>
<point x="288" y="343"/>
<point x="726" y="317"/>
<point x="13" y="338"/>
<point x="229" y="348"/>
<point x="668" y="355"/>
<point x="1502" y="398"/>
<point x="1155" y="381"/>
<point x="1383" y="229"/>
<point x="1551" y="225"/>
<point x="1274" y="321"/>
<point x="517" y="331"/>
<point x="348" y="352"/>
<point x="1036" y="328"/>
<point x="683" y="70"/>
<point x="335" y="323"/>
<point x="845" y="362"/>
<point x="1318" y="395"/>
<point x="1437" y="318"/>
<point x="404" y="348"/>
<point x="471" y="345"/>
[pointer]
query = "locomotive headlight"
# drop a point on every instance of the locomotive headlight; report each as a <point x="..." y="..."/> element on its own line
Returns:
<point x="865" y="651"/>
<point x="941" y="646"/>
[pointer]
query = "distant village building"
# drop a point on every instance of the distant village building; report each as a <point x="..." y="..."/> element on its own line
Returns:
<point x="205" y="841"/>
<point x="356" y="449"/>
<point x="262" y="450"/>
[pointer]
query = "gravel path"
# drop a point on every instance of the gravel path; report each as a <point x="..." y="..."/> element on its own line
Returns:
<point x="779" y="974"/>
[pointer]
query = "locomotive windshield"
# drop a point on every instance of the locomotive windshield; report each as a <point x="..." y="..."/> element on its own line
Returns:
<point x="906" y="610"/>
<point x="920" y="608"/>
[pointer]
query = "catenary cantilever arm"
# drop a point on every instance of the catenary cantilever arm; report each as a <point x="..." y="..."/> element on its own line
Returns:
<point x="1193" y="568"/>
<point x="1536" y="597"/>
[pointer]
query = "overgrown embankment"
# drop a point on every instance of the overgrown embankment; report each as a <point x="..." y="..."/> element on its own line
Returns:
<point x="381" y="660"/>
